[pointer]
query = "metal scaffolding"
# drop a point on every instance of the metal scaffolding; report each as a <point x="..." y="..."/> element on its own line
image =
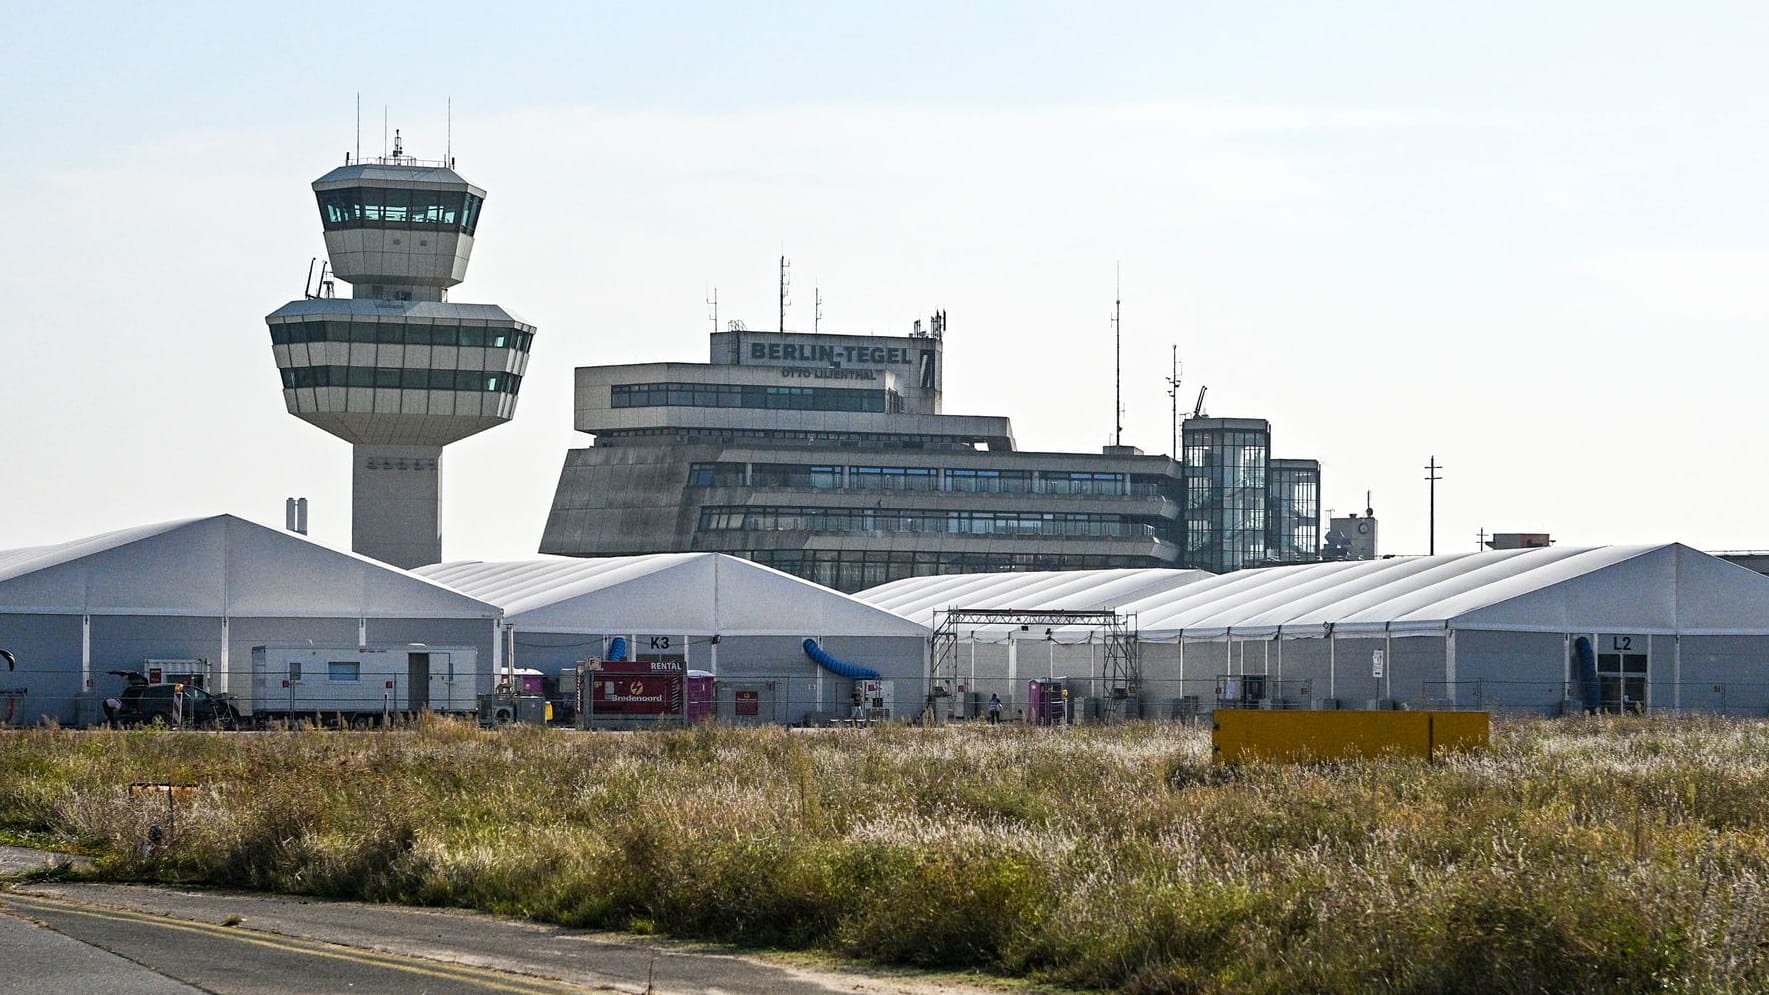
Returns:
<point x="1122" y="665"/>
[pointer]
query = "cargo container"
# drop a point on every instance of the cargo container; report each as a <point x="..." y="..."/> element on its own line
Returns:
<point x="359" y="685"/>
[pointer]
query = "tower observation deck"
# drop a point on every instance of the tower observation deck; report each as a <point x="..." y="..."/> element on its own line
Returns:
<point x="397" y="369"/>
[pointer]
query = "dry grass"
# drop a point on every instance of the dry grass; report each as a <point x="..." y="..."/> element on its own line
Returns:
<point x="1587" y="855"/>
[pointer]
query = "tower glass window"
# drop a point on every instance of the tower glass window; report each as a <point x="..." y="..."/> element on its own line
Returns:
<point x="383" y="207"/>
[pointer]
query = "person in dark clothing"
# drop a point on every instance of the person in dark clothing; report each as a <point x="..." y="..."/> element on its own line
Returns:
<point x="994" y="709"/>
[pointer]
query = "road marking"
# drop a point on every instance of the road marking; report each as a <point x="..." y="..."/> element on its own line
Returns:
<point x="465" y="973"/>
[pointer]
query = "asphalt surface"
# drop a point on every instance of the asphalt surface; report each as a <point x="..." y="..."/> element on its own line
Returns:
<point x="127" y="938"/>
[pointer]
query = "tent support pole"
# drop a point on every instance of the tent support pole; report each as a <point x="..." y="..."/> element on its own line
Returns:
<point x="226" y="670"/>
<point x="1677" y="671"/>
<point x="1387" y="663"/>
<point x="1449" y="665"/>
<point x="1332" y="665"/>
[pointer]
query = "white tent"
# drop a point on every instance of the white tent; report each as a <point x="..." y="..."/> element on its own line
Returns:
<point x="203" y="592"/>
<point x="745" y="623"/>
<point x="1673" y="626"/>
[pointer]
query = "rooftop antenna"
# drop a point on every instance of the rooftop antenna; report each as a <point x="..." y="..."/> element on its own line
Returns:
<point x="448" y="142"/>
<point x="817" y="311"/>
<point x="1173" y="393"/>
<point x="1117" y="357"/>
<point x="785" y="286"/>
<point x="359" y="126"/>
<point x="713" y="302"/>
<point x="383" y="131"/>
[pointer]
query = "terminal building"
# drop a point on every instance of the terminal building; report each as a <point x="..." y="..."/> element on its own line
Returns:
<point x="398" y="370"/>
<point x="830" y="457"/>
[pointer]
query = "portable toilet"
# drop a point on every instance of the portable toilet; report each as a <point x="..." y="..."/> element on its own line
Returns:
<point x="1047" y="701"/>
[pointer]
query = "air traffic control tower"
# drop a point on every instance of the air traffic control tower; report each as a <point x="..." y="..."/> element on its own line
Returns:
<point x="397" y="369"/>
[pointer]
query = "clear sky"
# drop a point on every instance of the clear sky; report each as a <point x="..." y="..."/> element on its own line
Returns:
<point x="1526" y="238"/>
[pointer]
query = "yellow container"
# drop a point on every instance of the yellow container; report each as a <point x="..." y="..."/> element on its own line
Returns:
<point x="1299" y="737"/>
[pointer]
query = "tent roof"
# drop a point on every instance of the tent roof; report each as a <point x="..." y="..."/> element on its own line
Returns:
<point x="700" y="594"/>
<point x="215" y="567"/>
<point x="919" y="598"/>
<point x="1639" y="589"/>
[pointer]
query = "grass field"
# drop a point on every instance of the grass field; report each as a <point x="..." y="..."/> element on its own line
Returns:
<point x="1582" y="855"/>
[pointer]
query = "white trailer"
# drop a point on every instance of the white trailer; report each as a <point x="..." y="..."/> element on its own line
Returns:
<point x="357" y="685"/>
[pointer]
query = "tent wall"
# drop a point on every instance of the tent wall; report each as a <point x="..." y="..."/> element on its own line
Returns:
<point x="1724" y="674"/>
<point x="800" y="687"/>
<point x="48" y="651"/>
<point x="49" y="648"/>
<point x="1513" y="671"/>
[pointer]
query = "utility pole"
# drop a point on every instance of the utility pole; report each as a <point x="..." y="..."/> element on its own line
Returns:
<point x="1480" y="540"/>
<point x="1431" y="475"/>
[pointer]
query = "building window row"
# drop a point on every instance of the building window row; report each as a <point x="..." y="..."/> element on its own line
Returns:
<point x="400" y="377"/>
<point x="400" y="333"/>
<point x="787" y="437"/>
<point x="761" y="396"/>
<point x="856" y="570"/>
<point x="925" y="521"/>
<point x="378" y="207"/>
<point x="922" y="479"/>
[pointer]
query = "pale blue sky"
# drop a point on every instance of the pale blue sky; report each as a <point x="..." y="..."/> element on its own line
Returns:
<point x="1528" y="238"/>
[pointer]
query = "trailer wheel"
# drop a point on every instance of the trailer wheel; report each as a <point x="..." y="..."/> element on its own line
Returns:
<point x="360" y="722"/>
<point x="503" y="716"/>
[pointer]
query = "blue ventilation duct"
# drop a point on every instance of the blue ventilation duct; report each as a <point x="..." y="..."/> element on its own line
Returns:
<point x="617" y="649"/>
<point x="837" y="667"/>
<point x="1581" y="648"/>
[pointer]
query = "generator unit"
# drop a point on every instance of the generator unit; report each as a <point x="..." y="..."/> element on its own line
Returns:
<point x="629" y="694"/>
<point x="194" y="672"/>
<point x="873" y="701"/>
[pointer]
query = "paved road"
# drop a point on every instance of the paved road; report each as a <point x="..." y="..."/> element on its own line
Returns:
<point x="228" y="942"/>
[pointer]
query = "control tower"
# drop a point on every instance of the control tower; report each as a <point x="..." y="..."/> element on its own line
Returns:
<point x="397" y="369"/>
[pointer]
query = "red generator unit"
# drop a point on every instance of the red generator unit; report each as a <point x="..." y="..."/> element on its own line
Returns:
<point x="637" y="694"/>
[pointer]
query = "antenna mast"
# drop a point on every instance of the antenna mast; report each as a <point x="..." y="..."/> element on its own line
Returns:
<point x="785" y="286"/>
<point x="448" y="144"/>
<point x="817" y="311"/>
<point x="359" y="126"/>
<point x="713" y="302"/>
<point x="1117" y="358"/>
<point x="1173" y="392"/>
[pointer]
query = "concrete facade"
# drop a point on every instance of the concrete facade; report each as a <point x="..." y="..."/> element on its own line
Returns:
<point x="831" y="457"/>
